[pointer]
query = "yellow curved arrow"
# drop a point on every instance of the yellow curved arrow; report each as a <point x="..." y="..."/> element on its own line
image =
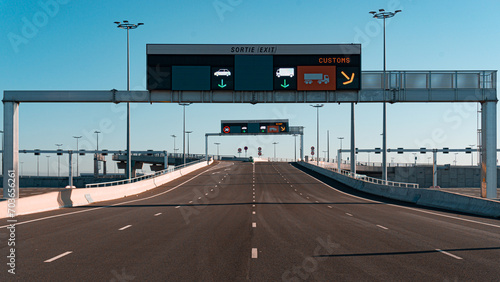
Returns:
<point x="349" y="79"/>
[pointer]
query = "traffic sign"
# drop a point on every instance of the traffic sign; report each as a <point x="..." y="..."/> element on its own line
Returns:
<point x="239" y="150"/>
<point x="252" y="67"/>
<point x="246" y="148"/>
<point x="312" y="153"/>
<point x="312" y="148"/>
<point x="259" y="153"/>
<point x="255" y="126"/>
<point x="260" y="148"/>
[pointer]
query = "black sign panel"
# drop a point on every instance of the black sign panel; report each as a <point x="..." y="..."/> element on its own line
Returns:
<point x="255" y="126"/>
<point x="254" y="67"/>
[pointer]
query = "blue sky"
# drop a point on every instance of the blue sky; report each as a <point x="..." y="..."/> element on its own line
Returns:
<point x="74" y="45"/>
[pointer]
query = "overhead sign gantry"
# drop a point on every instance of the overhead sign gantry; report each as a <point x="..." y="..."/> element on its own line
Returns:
<point x="254" y="126"/>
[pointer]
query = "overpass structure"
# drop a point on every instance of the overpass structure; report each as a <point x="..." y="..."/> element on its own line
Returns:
<point x="402" y="87"/>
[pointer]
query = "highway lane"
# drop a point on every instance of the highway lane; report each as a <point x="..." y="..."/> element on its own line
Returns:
<point x="262" y="222"/>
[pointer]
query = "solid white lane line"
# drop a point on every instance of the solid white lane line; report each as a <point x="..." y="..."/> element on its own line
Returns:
<point x="448" y="254"/>
<point x="157" y="214"/>
<point x="124" y="227"/>
<point x="348" y="214"/>
<point x="254" y="224"/>
<point x="59" y="256"/>
<point x="253" y="212"/>
<point x="254" y="252"/>
<point x="383" y="227"/>
<point x="177" y="207"/>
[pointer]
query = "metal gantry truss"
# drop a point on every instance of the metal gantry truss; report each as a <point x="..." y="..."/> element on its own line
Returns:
<point x="402" y="87"/>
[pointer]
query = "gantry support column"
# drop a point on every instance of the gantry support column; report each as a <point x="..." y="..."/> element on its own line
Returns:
<point x="489" y="149"/>
<point x="11" y="153"/>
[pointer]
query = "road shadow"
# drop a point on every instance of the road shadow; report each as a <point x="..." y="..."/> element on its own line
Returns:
<point x="406" y="253"/>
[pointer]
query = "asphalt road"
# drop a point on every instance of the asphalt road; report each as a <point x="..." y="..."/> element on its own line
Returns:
<point x="260" y="222"/>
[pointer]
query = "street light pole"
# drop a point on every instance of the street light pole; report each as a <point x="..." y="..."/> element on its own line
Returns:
<point x="382" y="14"/>
<point x="58" y="160"/>
<point x="456" y="159"/>
<point x="77" y="155"/>
<point x="472" y="155"/>
<point x="184" y="130"/>
<point x="128" y="26"/>
<point x="340" y="138"/>
<point x="48" y="166"/>
<point x="174" y="143"/>
<point x="295" y="147"/>
<point x="328" y="145"/>
<point x="317" y="106"/>
<point x="274" y="143"/>
<point x="188" y="132"/>
<point x="217" y="143"/>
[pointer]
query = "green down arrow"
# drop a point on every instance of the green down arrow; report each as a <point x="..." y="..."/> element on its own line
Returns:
<point x="222" y="85"/>
<point x="284" y="85"/>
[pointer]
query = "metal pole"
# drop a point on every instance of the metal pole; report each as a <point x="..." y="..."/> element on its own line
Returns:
<point x="129" y="157"/>
<point x="184" y="133"/>
<point x="434" y="169"/>
<point x="338" y="158"/>
<point x="353" y="146"/>
<point x="295" y="146"/>
<point x="302" y="147"/>
<point x="48" y="166"/>
<point x="317" y="136"/>
<point x="328" y="145"/>
<point x="384" y="117"/>
<point x="38" y="165"/>
<point x="206" y="148"/>
<point x="70" y="169"/>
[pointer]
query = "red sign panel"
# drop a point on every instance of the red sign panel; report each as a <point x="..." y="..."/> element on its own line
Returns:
<point x="226" y="129"/>
<point x="316" y="78"/>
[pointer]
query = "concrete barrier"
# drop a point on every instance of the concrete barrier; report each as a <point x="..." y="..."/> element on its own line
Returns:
<point x="419" y="196"/>
<point x="85" y="196"/>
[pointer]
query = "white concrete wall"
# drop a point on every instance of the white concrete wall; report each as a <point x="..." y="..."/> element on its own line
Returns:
<point x="76" y="197"/>
<point x="419" y="196"/>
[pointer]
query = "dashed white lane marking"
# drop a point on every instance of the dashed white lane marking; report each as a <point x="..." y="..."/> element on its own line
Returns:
<point x="330" y="207"/>
<point x="383" y="227"/>
<point x="254" y="252"/>
<point x="124" y="227"/>
<point x="295" y="190"/>
<point x="448" y="254"/>
<point x="254" y="200"/>
<point x="254" y="224"/>
<point x="206" y="194"/>
<point x="253" y="206"/>
<point x="157" y="214"/>
<point x="190" y="202"/>
<point x="199" y="198"/>
<point x="403" y="207"/>
<point x="348" y="214"/>
<point x="177" y="207"/>
<point x="253" y="212"/>
<point x="307" y="197"/>
<point x="317" y="202"/>
<point x="59" y="256"/>
<point x="254" y="196"/>
<point x="300" y="193"/>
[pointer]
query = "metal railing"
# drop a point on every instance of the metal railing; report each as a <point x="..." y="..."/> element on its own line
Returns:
<point x="369" y="179"/>
<point x="143" y="177"/>
<point x="430" y="79"/>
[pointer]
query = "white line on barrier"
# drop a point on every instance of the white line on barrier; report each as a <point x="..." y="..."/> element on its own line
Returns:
<point x="59" y="256"/>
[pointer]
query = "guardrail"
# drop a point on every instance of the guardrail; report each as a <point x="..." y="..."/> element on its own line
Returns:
<point x="140" y="178"/>
<point x="369" y="179"/>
